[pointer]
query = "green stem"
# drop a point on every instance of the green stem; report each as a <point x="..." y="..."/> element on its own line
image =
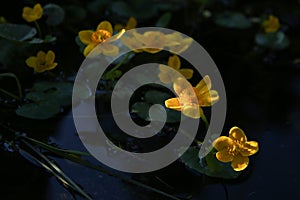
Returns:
<point x="204" y="119"/>
<point x="38" y="29"/>
<point x="10" y="94"/>
<point x="18" y="84"/>
<point x="119" y="64"/>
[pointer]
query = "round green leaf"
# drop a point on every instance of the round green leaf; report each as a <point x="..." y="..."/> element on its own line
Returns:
<point x="233" y="20"/>
<point x="277" y="40"/>
<point x="55" y="14"/>
<point x="43" y="110"/>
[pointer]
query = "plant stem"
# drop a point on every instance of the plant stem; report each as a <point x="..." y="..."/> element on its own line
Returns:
<point x="18" y="84"/>
<point x="10" y="94"/>
<point x="38" y="29"/>
<point x="204" y="119"/>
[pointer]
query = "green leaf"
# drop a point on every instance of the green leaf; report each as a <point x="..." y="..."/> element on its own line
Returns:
<point x="48" y="39"/>
<point x="155" y="96"/>
<point x="276" y="41"/>
<point x="47" y="99"/>
<point x="164" y="20"/>
<point x="142" y="110"/>
<point x="42" y="110"/>
<point x="233" y="20"/>
<point x="209" y="165"/>
<point x="16" y="32"/>
<point x="55" y="14"/>
<point x="121" y="8"/>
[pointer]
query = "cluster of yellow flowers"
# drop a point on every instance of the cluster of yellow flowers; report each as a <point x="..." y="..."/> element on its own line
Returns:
<point x="42" y="61"/>
<point x="271" y="24"/>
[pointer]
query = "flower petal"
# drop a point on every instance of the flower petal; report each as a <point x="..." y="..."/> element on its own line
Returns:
<point x="180" y="85"/>
<point x="109" y="49"/>
<point x="131" y="23"/>
<point x="239" y="163"/>
<point x="89" y="48"/>
<point x="208" y="99"/>
<point x="50" y="56"/>
<point x="193" y="111"/>
<point x="249" y="148"/>
<point x="105" y="25"/>
<point x="31" y="61"/>
<point x="173" y="103"/>
<point x="204" y="85"/>
<point x="222" y="143"/>
<point x="224" y="156"/>
<point x="174" y="62"/>
<point x="118" y="27"/>
<point x="86" y="37"/>
<point x="238" y="134"/>
<point x="187" y="73"/>
<point x="38" y="11"/>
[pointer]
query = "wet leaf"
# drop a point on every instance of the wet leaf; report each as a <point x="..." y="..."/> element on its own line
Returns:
<point x="155" y="96"/>
<point x="43" y="110"/>
<point x="233" y="20"/>
<point x="276" y="41"/>
<point x="209" y="165"/>
<point x="17" y="32"/>
<point x="55" y="14"/>
<point x="164" y="20"/>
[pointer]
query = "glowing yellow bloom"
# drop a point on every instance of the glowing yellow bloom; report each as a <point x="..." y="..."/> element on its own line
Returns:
<point x="42" y="62"/>
<point x="103" y="32"/>
<point x="131" y="24"/>
<point x="32" y="14"/>
<point x="186" y="102"/>
<point x="271" y="24"/>
<point x="168" y="75"/>
<point x="177" y="43"/>
<point x="235" y="149"/>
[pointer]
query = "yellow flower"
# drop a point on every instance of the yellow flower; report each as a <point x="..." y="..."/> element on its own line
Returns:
<point x="103" y="32"/>
<point x="169" y="76"/>
<point x="32" y="14"/>
<point x="177" y="43"/>
<point x="131" y="24"/>
<point x="235" y="149"/>
<point x="42" y="62"/>
<point x="186" y="102"/>
<point x="271" y="24"/>
<point x="2" y="20"/>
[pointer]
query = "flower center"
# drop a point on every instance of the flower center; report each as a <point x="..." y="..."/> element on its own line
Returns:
<point x="237" y="147"/>
<point x="100" y="36"/>
<point x="186" y="97"/>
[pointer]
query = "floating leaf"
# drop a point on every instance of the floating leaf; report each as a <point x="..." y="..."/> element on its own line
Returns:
<point x="16" y="32"/>
<point x="277" y="40"/>
<point x="48" y="39"/>
<point x="233" y="20"/>
<point x="47" y="99"/>
<point x="155" y="96"/>
<point x="164" y="20"/>
<point x="55" y="14"/>
<point x="209" y="165"/>
<point x="142" y="110"/>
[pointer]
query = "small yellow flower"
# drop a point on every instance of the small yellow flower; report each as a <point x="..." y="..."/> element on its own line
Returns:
<point x="186" y="101"/>
<point x="169" y="76"/>
<point x="235" y="149"/>
<point x="42" y="62"/>
<point x="103" y="32"/>
<point x="32" y="14"/>
<point x="131" y="24"/>
<point x="177" y="43"/>
<point x="271" y="24"/>
<point x="2" y="20"/>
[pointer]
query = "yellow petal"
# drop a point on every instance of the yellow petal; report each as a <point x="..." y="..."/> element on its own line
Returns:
<point x="174" y="62"/>
<point x="238" y="134"/>
<point x="152" y="50"/>
<point x="187" y="73"/>
<point x="86" y="36"/>
<point x="38" y="10"/>
<point x="105" y="25"/>
<point x="193" y="111"/>
<point x="41" y="55"/>
<point x="173" y="103"/>
<point x="131" y="23"/>
<point x="239" y="163"/>
<point x="181" y="84"/>
<point x="118" y="27"/>
<point x="223" y="142"/>
<point x="204" y="85"/>
<point x="31" y="61"/>
<point x="89" y="48"/>
<point x="208" y="99"/>
<point x="50" y="57"/>
<point x="224" y="156"/>
<point x="249" y="148"/>
<point x="109" y="49"/>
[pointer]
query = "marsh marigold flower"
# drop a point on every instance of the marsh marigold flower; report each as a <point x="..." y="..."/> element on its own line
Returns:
<point x="169" y="76"/>
<point x="235" y="149"/>
<point x="103" y="32"/>
<point x="32" y="14"/>
<point x="271" y="24"/>
<point x="131" y="24"/>
<point x="186" y="101"/>
<point x="42" y="62"/>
